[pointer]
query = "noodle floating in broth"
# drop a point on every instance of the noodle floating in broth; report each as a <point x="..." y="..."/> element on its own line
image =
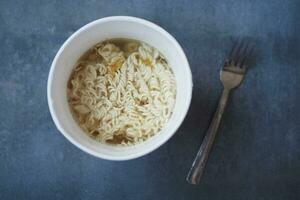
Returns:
<point x="122" y="92"/>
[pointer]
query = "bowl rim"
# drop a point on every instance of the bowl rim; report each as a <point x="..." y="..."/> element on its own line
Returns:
<point x="54" y="65"/>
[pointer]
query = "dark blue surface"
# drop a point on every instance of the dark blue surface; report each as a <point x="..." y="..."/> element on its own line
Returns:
<point x="257" y="151"/>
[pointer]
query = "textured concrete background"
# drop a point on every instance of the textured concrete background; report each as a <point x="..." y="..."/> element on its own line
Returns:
<point x="256" y="153"/>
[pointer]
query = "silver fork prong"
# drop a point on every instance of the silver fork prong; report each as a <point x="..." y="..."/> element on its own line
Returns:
<point x="240" y="53"/>
<point x="248" y="50"/>
<point x="234" y="51"/>
<point x="234" y="54"/>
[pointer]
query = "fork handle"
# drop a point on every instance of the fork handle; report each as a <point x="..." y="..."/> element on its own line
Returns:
<point x="201" y="158"/>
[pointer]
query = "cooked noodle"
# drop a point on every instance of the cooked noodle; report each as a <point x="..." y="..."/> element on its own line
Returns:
<point x="122" y="95"/>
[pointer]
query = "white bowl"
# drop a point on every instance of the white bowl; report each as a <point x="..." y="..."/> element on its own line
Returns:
<point x="85" y="38"/>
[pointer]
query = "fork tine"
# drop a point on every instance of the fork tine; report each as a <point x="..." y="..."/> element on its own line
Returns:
<point x="247" y="52"/>
<point x="240" y="51"/>
<point x="234" y="51"/>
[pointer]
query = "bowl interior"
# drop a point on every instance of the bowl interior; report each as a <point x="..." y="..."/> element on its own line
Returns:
<point x="85" y="38"/>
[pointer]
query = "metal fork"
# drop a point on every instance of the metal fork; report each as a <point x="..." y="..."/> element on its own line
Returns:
<point x="231" y="76"/>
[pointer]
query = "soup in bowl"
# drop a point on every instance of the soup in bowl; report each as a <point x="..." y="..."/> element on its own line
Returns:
<point x="119" y="87"/>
